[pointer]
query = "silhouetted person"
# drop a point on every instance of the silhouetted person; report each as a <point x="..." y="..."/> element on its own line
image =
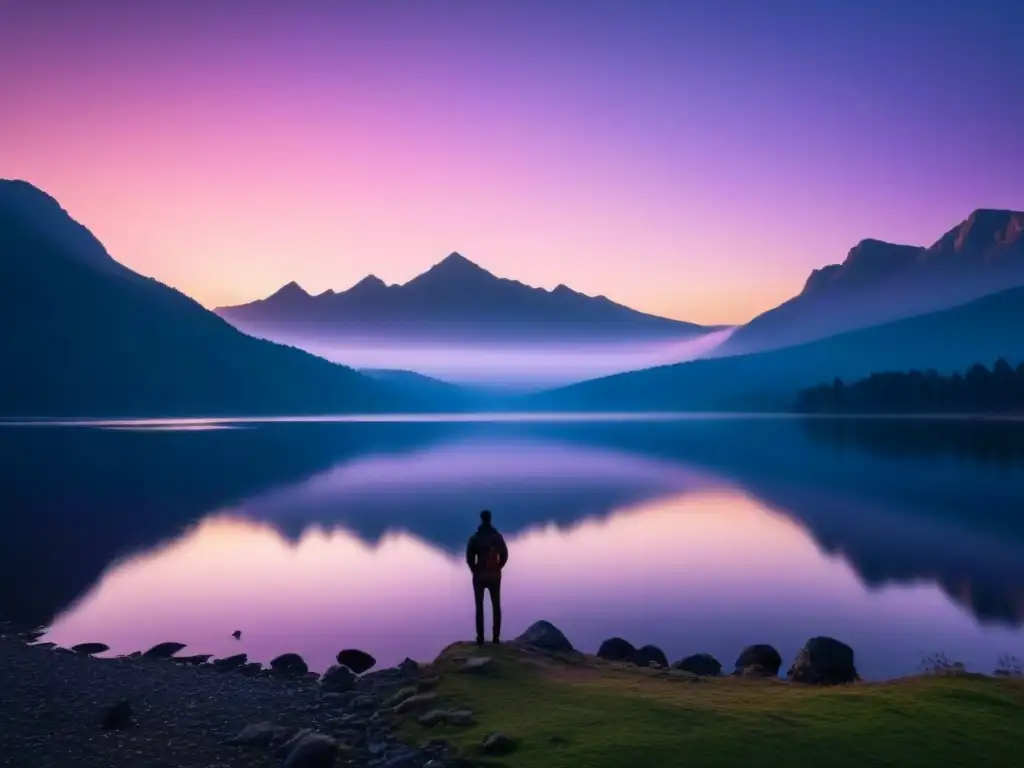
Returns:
<point x="486" y="555"/>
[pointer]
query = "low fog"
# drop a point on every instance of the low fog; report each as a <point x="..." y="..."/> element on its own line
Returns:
<point x="511" y="367"/>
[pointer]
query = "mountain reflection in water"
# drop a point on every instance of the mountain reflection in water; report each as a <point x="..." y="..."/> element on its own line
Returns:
<point x="695" y="536"/>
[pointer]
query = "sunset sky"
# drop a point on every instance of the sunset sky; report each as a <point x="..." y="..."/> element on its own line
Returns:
<point x="692" y="159"/>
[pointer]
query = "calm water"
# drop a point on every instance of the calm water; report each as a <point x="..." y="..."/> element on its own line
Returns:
<point x="899" y="537"/>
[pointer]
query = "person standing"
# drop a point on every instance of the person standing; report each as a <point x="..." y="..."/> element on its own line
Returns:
<point x="486" y="555"/>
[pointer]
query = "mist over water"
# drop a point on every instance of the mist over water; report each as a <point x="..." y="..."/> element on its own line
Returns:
<point x="512" y="366"/>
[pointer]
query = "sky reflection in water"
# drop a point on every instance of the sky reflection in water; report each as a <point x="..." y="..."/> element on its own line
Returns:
<point x="367" y="554"/>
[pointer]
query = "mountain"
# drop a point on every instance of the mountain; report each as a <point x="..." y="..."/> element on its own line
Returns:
<point x="453" y="300"/>
<point x="879" y="282"/>
<point x="85" y="336"/>
<point x="947" y="341"/>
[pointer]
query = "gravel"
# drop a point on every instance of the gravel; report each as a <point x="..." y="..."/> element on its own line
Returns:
<point x="52" y="705"/>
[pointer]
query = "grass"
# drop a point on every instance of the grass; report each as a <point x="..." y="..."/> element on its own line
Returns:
<point x="584" y="712"/>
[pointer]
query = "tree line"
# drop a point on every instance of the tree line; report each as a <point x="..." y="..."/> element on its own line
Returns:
<point x="979" y="389"/>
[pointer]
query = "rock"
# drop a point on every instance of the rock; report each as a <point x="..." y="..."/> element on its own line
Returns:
<point x="434" y="717"/>
<point x="476" y="664"/>
<point x="356" y="660"/>
<point x="231" y="662"/>
<point x="648" y="655"/>
<point x="259" y="735"/>
<point x="163" y="650"/>
<point x="289" y="664"/>
<point x="763" y="656"/>
<point x="237" y="634"/>
<point x="754" y="670"/>
<point x="401" y="695"/>
<point x="545" y="636"/>
<point x="427" y="684"/>
<point x="364" y="703"/>
<point x="88" y="649"/>
<point x="419" y="701"/>
<point x="287" y="747"/>
<point x="824" y="661"/>
<point x="337" y="679"/>
<point x="117" y="717"/>
<point x="314" y="750"/>
<point x="251" y="669"/>
<point x="498" y="744"/>
<point x="703" y="664"/>
<point x="134" y="655"/>
<point x="408" y="666"/>
<point x="47" y="646"/>
<point x="195" y="661"/>
<point x="460" y="717"/>
<point x="616" y="649"/>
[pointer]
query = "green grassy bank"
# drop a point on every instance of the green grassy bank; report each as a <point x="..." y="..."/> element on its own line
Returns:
<point x="581" y="711"/>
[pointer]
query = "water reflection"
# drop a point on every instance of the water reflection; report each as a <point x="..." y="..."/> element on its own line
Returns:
<point x="703" y="535"/>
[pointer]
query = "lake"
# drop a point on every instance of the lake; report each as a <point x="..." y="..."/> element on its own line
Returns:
<point x="901" y="537"/>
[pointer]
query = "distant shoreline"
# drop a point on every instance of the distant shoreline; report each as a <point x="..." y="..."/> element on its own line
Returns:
<point x="497" y="416"/>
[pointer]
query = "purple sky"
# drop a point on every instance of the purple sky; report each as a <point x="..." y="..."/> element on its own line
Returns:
<point x="692" y="159"/>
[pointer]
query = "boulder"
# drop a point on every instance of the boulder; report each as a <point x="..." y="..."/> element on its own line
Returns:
<point x="314" y="750"/>
<point x="117" y="717"/>
<point x="823" y="661"/>
<point x="649" y="655"/>
<point x="88" y="649"/>
<point x="231" y="662"/>
<point x="163" y="650"/>
<point x="616" y="649"/>
<point x="763" y="656"/>
<point x="289" y="664"/>
<point x="702" y="664"/>
<point x="356" y="660"/>
<point x="337" y="679"/>
<point x="251" y="669"/>
<point x="545" y="636"/>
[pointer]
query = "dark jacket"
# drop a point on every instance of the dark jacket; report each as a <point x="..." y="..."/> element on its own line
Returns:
<point x="479" y="544"/>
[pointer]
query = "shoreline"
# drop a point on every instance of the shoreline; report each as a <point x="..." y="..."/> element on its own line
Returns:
<point x="187" y="711"/>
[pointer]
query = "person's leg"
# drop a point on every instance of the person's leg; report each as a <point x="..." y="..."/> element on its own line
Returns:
<point x="478" y="597"/>
<point x="495" y="590"/>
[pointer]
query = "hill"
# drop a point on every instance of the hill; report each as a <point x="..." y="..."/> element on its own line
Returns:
<point x="86" y="336"/>
<point x="946" y="341"/>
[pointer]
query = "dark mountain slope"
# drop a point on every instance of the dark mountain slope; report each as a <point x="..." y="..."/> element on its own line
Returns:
<point x="85" y="336"/>
<point x="947" y="341"/>
<point x="879" y="282"/>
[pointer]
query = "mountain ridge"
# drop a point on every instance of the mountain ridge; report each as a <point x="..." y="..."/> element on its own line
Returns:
<point x="880" y="281"/>
<point x="453" y="298"/>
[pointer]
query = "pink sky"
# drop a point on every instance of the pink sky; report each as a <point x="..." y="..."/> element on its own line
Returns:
<point x="695" y="165"/>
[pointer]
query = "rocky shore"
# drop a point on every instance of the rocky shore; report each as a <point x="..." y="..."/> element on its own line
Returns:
<point x="162" y="707"/>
